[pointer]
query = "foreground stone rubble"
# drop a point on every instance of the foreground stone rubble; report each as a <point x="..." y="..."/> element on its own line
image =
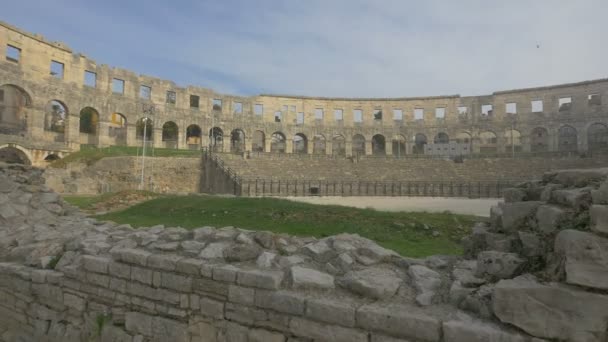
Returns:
<point x="538" y="271"/>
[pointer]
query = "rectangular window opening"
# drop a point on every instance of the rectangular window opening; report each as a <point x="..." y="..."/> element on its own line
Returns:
<point x="418" y="114"/>
<point x="238" y="108"/>
<point x="285" y="108"/>
<point x="90" y="79"/>
<point x="319" y="114"/>
<point x="278" y="115"/>
<point x="258" y="109"/>
<point x="537" y="106"/>
<point x="338" y="114"/>
<point x="292" y="109"/>
<point x="463" y="110"/>
<point x="594" y="99"/>
<point x="440" y="113"/>
<point x="195" y="101"/>
<point x="511" y="108"/>
<point x="217" y="104"/>
<point x="300" y="118"/>
<point x="171" y="97"/>
<point x="565" y="104"/>
<point x="118" y="86"/>
<point x="13" y="54"/>
<point x="487" y="110"/>
<point x="377" y="114"/>
<point x="398" y="114"/>
<point x="57" y="69"/>
<point x="145" y="92"/>
<point x="358" y="115"/>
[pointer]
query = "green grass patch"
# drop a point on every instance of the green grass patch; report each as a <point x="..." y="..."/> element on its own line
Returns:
<point x="409" y="233"/>
<point x="91" y="154"/>
<point x="86" y="202"/>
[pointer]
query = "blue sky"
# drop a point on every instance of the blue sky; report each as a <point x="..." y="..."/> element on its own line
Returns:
<point x="351" y="48"/>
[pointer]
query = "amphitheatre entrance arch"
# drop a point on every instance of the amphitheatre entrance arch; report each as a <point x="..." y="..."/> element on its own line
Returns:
<point x="567" y="139"/>
<point x="378" y="145"/>
<point x="55" y="119"/>
<point x="338" y="145"/>
<point x="300" y="144"/>
<point x="170" y="134"/>
<point x="144" y="125"/>
<point x="14" y="107"/>
<point x="237" y="141"/>
<point x="597" y="137"/>
<point x="89" y="120"/>
<point x="358" y="145"/>
<point x="488" y="142"/>
<point x="419" y="144"/>
<point x="398" y="145"/>
<point x="463" y="139"/>
<point x="318" y="144"/>
<point x="118" y="128"/>
<point x="513" y="141"/>
<point x="277" y="142"/>
<point x="539" y="140"/>
<point x="193" y="136"/>
<point x="216" y="139"/>
<point x="258" y="142"/>
<point x="14" y="155"/>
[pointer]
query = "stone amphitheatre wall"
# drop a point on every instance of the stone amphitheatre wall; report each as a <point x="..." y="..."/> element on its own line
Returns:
<point x="536" y="272"/>
<point x="53" y="100"/>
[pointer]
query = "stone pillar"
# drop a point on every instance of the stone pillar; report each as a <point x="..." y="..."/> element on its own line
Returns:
<point x="103" y="140"/>
<point x="368" y="147"/>
<point x="310" y="146"/>
<point x="388" y="147"/>
<point x="72" y="132"/>
<point x="289" y="146"/>
<point x="131" y="135"/>
<point x="267" y="145"/>
<point x="348" y="145"/>
<point x="329" y="147"/>
<point x="248" y="145"/>
<point x="158" y="137"/>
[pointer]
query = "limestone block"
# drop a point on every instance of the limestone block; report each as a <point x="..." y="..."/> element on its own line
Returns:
<point x="203" y="234"/>
<point x="580" y="177"/>
<point x="214" y="251"/>
<point x="599" y="219"/>
<point x="549" y="217"/>
<point x="264" y="279"/>
<point x="302" y="277"/>
<point x="375" y="283"/>
<point x="233" y="332"/>
<point x="241" y="295"/>
<point x="163" y="262"/>
<point x="474" y="330"/>
<point x="261" y="335"/>
<point x="384" y="338"/>
<point x="135" y="256"/>
<point x="586" y="258"/>
<point x="305" y="328"/>
<point x="516" y="215"/>
<point x="142" y="275"/>
<point x="426" y="282"/>
<point x="242" y="252"/>
<point x="319" y="251"/>
<point x="264" y="238"/>
<point x="138" y="323"/>
<point x="189" y="266"/>
<point x="212" y="308"/>
<point x="75" y="302"/>
<point x="164" y="329"/>
<point x="192" y="247"/>
<point x="577" y="199"/>
<point x="551" y="311"/>
<point x="331" y="311"/>
<point x="600" y="195"/>
<point x="400" y="321"/>
<point x="281" y="301"/>
<point x="531" y="244"/>
<point x="458" y="293"/>
<point x="514" y="195"/>
<point x="265" y="260"/>
<point x="498" y="264"/>
<point x="116" y="269"/>
<point x="225" y="273"/>
<point x="98" y="279"/>
<point x="95" y="264"/>
<point x="176" y="282"/>
<point x="245" y="314"/>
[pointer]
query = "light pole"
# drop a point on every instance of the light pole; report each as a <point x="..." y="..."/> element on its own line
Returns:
<point x="148" y="110"/>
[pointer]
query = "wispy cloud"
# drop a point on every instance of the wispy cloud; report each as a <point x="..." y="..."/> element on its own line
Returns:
<point x="336" y="47"/>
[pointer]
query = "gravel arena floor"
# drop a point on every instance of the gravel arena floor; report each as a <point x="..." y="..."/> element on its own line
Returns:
<point x="478" y="207"/>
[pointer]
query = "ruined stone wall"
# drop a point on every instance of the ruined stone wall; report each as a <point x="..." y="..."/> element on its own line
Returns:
<point x="161" y="175"/>
<point x="579" y="126"/>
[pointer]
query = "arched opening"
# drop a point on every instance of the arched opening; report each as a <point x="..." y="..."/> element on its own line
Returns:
<point x="170" y="134"/>
<point x="216" y="139"/>
<point x="51" y="157"/>
<point x="539" y="140"/>
<point x="318" y="144"/>
<point x="55" y="118"/>
<point x="258" y="142"/>
<point x="358" y="145"/>
<point x="300" y="144"/>
<point x="513" y="141"/>
<point x="567" y="139"/>
<point x="118" y="128"/>
<point x="14" y="104"/>
<point x="378" y="145"/>
<point x="420" y="142"/>
<point x="398" y="145"/>
<point x="597" y="137"/>
<point x="442" y="138"/>
<point x="89" y="119"/>
<point x="193" y="136"/>
<point x="237" y="141"/>
<point x="464" y="142"/>
<point x="277" y="142"/>
<point x="12" y="155"/>
<point x="338" y="145"/>
<point x="488" y="143"/>
<point x="144" y="126"/>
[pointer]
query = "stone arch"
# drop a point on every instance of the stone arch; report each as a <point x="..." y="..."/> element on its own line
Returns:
<point x="15" y="154"/>
<point x="338" y="145"/>
<point x="358" y="145"/>
<point x="170" y="134"/>
<point x="51" y="157"/>
<point x="398" y="145"/>
<point x="539" y="140"/>
<point x="379" y="145"/>
<point x="237" y="141"/>
<point x="420" y="142"/>
<point x="55" y="116"/>
<point x="300" y="143"/>
<point x="144" y="125"/>
<point x="258" y="141"/>
<point x="465" y="142"/>
<point x="216" y="139"/>
<point x="442" y="138"/>
<point x="567" y="139"/>
<point x="118" y="128"/>
<point x="89" y="120"/>
<point x="597" y="137"/>
<point x="277" y="142"/>
<point x="15" y="103"/>
<point x="318" y="144"/>
<point x="512" y="141"/>
<point x="193" y="136"/>
<point x="488" y="142"/>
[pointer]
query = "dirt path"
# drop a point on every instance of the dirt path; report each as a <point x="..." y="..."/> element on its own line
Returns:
<point x="478" y="207"/>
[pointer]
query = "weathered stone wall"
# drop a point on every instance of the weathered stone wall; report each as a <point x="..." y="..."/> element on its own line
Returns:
<point x="536" y="272"/>
<point x="161" y="174"/>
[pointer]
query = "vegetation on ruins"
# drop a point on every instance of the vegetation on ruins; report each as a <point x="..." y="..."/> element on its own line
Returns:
<point x="414" y="234"/>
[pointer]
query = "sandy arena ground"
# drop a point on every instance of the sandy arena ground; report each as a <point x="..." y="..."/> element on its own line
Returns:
<point x="478" y="207"/>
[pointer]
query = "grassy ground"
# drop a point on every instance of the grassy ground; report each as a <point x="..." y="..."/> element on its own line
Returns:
<point x="110" y="200"/>
<point x="410" y="234"/>
<point x="90" y="154"/>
